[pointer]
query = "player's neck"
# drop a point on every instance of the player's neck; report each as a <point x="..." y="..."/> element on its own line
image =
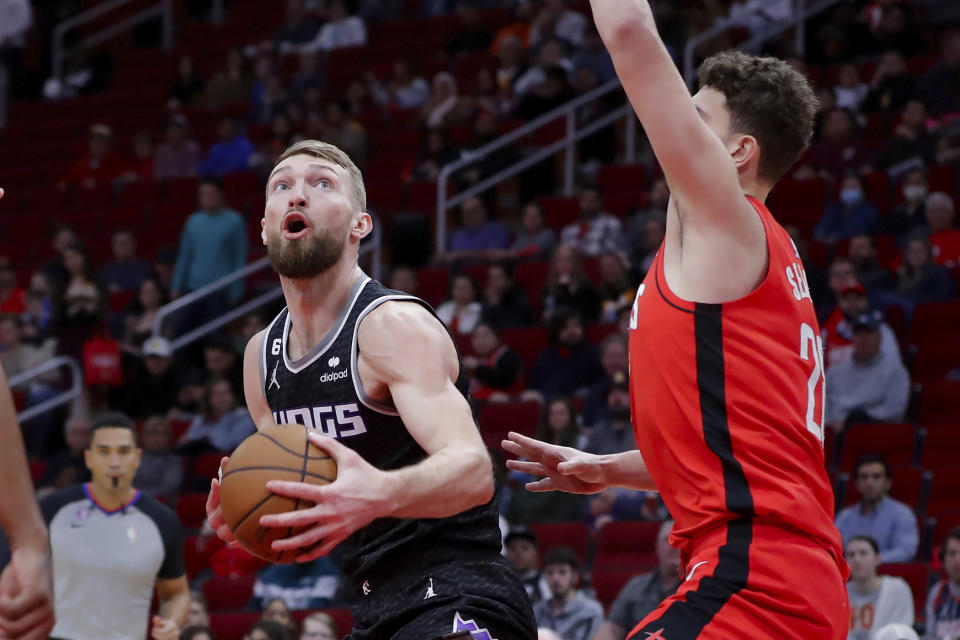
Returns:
<point x="315" y="304"/>
<point x="755" y="188"/>
<point x="111" y="499"/>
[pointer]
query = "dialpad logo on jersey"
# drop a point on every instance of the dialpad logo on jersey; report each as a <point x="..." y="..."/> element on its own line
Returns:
<point x="336" y="421"/>
<point x="333" y="376"/>
<point x="459" y="624"/>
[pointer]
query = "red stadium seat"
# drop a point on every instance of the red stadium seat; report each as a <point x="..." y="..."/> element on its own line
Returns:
<point x="496" y="419"/>
<point x="895" y="441"/>
<point x="598" y="331"/>
<point x="563" y="534"/>
<point x="630" y="178"/>
<point x="197" y="551"/>
<point x="938" y="404"/>
<point x="232" y="626"/>
<point x="192" y="509"/>
<point x="942" y="448"/>
<point x="559" y="212"/>
<point x="915" y="573"/>
<point x="225" y="594"/>
<point x="207" y="465"/>
<point x="829" y="448"/>
<point x="532" y="276"/>
<point x="935" y="361"/>
<point x="37" y="468"/>
<point x="945" y="524"/>
<point x="934" y="323"/>
<point x="944" y="492"/>
<point x="178" y="428"/>
<point x="607" y="583"/>
<point x="432" y="284"/>
<point x="627" y="545"/>
<point x="799" y="202"/>
<point x="528" y="342"/>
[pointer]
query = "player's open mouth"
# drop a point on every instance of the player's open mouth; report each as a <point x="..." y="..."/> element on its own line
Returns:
<point x="294" y="225"/>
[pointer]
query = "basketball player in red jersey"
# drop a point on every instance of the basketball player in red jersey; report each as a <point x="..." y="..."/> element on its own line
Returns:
<point x="725" y="355"/>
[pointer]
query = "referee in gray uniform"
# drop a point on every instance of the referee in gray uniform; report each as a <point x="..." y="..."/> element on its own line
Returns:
<point x="111" y="545"/>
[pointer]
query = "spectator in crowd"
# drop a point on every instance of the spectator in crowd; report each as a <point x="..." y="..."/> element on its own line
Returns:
<point x="841" y="275"/>
<point x="197" y="633"/>
<point x="616" y="289"/>
<point x="319" y="626"/>
<point x="308" y="585"/>
<point x="511" y="66"/>
<point x="340" y="30"/>
<point x="405" y="91"/>
<point x="269" y="98"/>
<point x="593" y="55"/>
<point x="569" y="364"/>
<point x="912" y="144"/>
<point x="126" y="271"/>
<point x="18" y="355"/>
<point x="99" y="167"/>
<point x="441" y="109"/>
<point x="654" y="231"/>
<point x="282" y="135"/>
<point x="613" y="358"/>
<point x="435" y="152"/>
<point x="472" y="33"/>
<point x="160" y="474"/>
<point x="231" y="153"/>
<point x="597" y="232"/>
<point x="298" y="29"/>
<point x="277" y="610"/>
<point x="463" y="310"/>
<point x="863" y="253"/>
<point x="477" y="235"/>
<point x="269" y="630"/>
<point x="569" y="612"/>
<point x="222" y="425"/>
<point x="221" y="360"/>
<point x="82" y="302"/>
<point x="404" y="279"/>
<point x="187" y="85"/>
<point x="658" y="197"/>
<point x="644" y="593"/>
<point x="840" y="150"/>
<point x="940" y="86"/>
<point x="920" y="279"/>
<point x="534" y="240"/>
<point x="505" y="303"/>
<point x="197" y="615"/>
<point x="523" y="552"/>
<point x="495" y="369"/>
<point x="944" y="236"/>
<point x="230" y="86"/>
<point x="553" y="91"/>
<point x="213" y="225"/>
<point x="552" y="54"/>
<point x="177" y="156"/>
<point x="838" y="331"/>
<point x="54" y="269"/>
<point x="519" y="27"/>
<point x="897" y="31"/>
<point x="568" y="286"/>
<point x="870" y="386"/>
<point x="558" y="425"/>
<point x="911" y="214"/>
<point x="943" y="602"/>
<point x="153" y="387"/>
<point x="889" y="522"/>
<point x="852" y="215"/>
<point x="615" y="434"/>
<point x="13" y="299"/>
<point x="557" y="20"/>
<point x="875" y="600"/>
<point x="850" y="90"/>
<point x="340" y="128"/>
<point x="139" y="323"/>
<point x="68" y="466"/>
<point x="891" y="86"/>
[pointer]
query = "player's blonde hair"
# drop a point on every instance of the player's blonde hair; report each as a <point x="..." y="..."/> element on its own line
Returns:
<point x="334" y="155"/>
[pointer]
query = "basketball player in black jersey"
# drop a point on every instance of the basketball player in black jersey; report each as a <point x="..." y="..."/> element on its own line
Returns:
<point x="377" y="378"/>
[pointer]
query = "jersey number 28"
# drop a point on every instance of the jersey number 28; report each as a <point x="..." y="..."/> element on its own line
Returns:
<point x="811" y="348"/>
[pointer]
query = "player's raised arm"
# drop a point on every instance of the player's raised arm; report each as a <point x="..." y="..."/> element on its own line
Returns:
<point x="700" y="169"/>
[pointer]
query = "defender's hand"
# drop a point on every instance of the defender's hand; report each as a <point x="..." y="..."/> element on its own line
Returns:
<point x="565" y="468"/>
<point x="163" y="629"/>
<point x="347" y="504"/>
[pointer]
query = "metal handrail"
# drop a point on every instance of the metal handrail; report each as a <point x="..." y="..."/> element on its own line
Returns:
<point x="68" y="395"/>
<point x="571" y="137"/>
<point x="801" y="14"/>
<point x="163" y="9"/>
<point x="372" y="246"/>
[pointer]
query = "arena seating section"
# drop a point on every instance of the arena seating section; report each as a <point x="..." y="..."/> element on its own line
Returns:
<point x="44" y="138"/>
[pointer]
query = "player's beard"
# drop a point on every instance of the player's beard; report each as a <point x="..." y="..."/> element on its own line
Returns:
<point x="306" y="257"/>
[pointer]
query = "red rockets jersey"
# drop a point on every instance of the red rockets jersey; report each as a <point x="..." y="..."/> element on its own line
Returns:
<point x="728" y="403"/>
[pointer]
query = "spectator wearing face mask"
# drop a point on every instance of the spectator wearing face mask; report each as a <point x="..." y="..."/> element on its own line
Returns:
<point x="911" y="213"/>
<point x="944" y="236"/>
<point x="851" y="216"/>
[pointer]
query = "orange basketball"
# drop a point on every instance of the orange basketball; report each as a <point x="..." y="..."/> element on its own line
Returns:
<point x="281" y="452"/>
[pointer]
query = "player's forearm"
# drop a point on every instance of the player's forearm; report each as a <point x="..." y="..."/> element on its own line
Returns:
<point x="447" y="482"/>
<point x="19" y="514"/>
<point x="627" y="470"/>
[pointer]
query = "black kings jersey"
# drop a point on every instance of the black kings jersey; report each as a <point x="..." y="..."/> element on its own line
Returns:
<point x="323" y="391"/>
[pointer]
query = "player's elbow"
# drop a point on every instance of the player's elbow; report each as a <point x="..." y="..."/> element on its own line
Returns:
<point x="630" y="33"/>
<point x="478" y="476"/>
